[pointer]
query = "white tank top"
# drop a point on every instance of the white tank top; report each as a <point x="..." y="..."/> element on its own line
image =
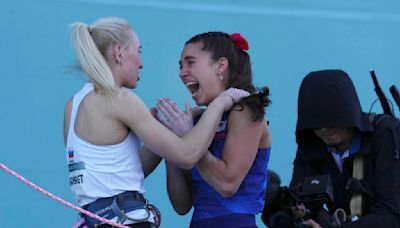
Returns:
<point x="97" y="171"/>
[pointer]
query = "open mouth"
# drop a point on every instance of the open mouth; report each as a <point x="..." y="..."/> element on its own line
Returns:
<point x="193" y="87"/>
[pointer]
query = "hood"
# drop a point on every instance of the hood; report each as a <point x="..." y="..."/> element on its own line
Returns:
<point x="328" y="98"/>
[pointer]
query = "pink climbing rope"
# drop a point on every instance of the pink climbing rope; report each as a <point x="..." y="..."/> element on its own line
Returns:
<point x="8" y="170"/>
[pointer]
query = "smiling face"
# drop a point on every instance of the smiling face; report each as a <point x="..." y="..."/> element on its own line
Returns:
<point x="338" y="138"/>
<point x="131" y="62"/>
<point x="200" y="74"/>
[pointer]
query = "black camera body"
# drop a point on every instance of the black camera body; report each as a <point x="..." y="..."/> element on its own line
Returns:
<point x="317" y="190"/>
<point x="313" y="192"/>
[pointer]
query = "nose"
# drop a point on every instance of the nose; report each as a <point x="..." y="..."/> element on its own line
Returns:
<point x="183" y="73"/>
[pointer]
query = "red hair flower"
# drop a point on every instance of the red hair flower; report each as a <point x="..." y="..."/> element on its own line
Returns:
<point x="240" y="41"/>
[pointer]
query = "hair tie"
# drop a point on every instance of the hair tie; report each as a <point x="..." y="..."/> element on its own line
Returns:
<point x="240" y="41"/>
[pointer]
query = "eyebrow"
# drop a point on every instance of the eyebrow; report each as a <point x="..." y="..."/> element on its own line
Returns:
<point x="189" y="57"/>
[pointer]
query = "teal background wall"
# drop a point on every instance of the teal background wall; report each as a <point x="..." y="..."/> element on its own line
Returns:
<point x="288" y="38"/>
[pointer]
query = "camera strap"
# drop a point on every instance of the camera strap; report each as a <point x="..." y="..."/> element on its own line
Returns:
<point x="356" y="199"/>
<point x="358" y="173"/>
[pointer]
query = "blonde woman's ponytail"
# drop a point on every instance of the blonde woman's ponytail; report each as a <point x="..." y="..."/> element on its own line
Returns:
<point x="91" y="44"/>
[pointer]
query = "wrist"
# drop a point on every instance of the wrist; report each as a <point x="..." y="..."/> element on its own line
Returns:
<point x="216" y="106"/>
<point x="225" y="102"/>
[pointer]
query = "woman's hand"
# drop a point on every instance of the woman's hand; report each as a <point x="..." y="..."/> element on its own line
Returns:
<point x="172" y="117"/>
<point x="230" y="96"/>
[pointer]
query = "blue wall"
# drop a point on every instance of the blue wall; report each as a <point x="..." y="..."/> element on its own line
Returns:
<point x="287" y="40"/>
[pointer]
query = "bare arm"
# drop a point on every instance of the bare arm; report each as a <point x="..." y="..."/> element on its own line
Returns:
<point x="149" y="161"/>
<point x="179" y="190"/>
<point x="183" y="152"/>
<point x="243" y="140"/>
<point x="67" y="119"/>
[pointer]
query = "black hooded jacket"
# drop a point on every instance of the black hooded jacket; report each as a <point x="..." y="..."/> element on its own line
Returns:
<point x="328" y="99"/>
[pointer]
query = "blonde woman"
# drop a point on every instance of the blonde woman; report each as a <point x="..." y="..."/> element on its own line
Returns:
<point x="106" y="123"/>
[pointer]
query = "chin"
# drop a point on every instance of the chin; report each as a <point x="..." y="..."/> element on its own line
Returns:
<point x="133" y="85"/>
<point x="198" y="103"/>
<point x="332" y="143"/>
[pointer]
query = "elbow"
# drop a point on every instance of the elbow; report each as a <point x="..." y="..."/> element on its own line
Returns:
<point x="188" y="161"/>
<point x="186" y="164"/>
<point x="181" y="211"/>
<point x="227" y="193"/>
<point x="181" y="208"/>
<point x="228" y="190"/>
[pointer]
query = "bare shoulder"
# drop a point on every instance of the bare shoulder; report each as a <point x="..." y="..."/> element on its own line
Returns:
<point x="124" y="100"/>
<point x="68" y="109"/>
<point x="241" y="119"/>
<point x="242" y="115"/>
<point x="267" y="135"/>
<point x="67" y="117"/>
<point x="126" y="96"/>
<point x="68" y="105"/>
<point x="130" y="107"/>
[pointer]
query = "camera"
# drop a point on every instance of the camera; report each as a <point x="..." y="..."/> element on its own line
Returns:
<point x="313" y="192"/>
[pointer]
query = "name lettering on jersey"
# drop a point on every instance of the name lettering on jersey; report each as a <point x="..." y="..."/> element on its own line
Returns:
<point x="77" y="179"/>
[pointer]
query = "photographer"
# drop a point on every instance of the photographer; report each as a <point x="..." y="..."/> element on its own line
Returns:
<point x="332" y="133"/>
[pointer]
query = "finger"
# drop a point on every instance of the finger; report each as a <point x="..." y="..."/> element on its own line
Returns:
<point x="237" y="94"/>
<point x="240" y="94"/>
<point x="189" y="111"/>
<point x="173" y="105"/>
<point x="171" y="116"/>
<point x="162" y="120"/>
<point x="166" y="109"/>
<point x="177" y="112"/>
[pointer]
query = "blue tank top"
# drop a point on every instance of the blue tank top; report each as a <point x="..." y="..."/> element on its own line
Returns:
<point x="249" y="199"/>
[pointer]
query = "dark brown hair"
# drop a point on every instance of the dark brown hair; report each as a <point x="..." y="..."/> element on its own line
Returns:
<point x="220" y="44"/>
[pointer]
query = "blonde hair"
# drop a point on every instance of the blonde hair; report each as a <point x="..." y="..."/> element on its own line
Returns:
<point x="92" y="43"/>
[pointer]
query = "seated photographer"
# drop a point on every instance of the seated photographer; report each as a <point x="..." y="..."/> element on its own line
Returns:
<point x="336" y="138"/>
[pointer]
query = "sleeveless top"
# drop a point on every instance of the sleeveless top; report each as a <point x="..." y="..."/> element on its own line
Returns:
<point x="249" y="199"/>
<point x="98" y="171"/>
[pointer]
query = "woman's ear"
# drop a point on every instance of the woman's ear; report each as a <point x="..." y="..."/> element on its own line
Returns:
<point x="222" y="65"/>
<point x="117" y="53"/>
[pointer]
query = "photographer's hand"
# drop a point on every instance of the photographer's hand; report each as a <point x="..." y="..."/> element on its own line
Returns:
<point x="311" y="223"/>
<point x="298" y="211"/>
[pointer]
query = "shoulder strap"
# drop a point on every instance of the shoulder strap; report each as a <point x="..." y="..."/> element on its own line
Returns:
<point x="78" y="97"/>
<point x="358" y="173"/>
<point x="356" y="199"/>
<point x="379" y="122"/>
